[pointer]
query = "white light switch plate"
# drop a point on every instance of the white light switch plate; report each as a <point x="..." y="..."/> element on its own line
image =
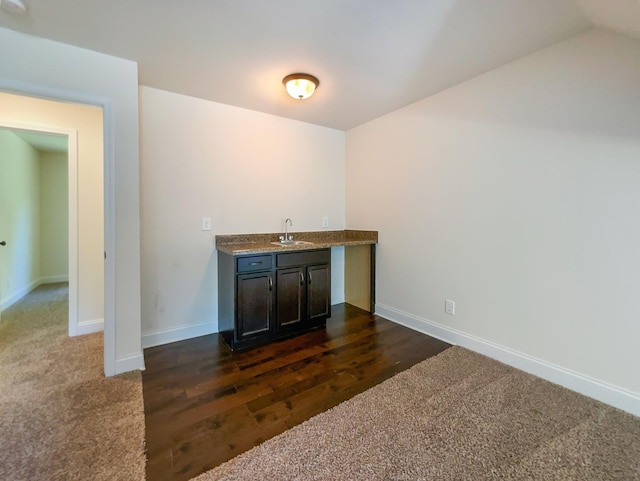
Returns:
<point x="206" y="223"/>
<point x="450" y="307"/>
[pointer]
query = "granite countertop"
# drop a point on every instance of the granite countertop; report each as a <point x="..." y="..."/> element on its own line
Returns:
<point x="236" y="244"/>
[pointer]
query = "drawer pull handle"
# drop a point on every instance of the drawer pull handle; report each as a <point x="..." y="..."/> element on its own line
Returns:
<point x="270" y="283"/>
<point x="309" y="277"/>
<point x="301" y="279"/>
<point x="255" y="263"/>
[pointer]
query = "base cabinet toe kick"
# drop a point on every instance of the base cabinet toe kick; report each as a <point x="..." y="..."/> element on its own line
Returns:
<point x="270" y="296"/>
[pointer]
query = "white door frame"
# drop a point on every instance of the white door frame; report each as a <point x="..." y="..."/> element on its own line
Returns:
<point x="72" y="190"/>
<point x="108" y="124"/>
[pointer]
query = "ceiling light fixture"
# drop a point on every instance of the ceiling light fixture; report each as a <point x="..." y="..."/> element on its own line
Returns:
<point x="300" y="85"/>
<point x="13" y="6"/>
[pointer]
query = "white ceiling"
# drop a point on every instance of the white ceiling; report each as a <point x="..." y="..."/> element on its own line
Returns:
<point x="621" y="16"/>
<point x="42" y="142"/>
<point x="371" y="56"/>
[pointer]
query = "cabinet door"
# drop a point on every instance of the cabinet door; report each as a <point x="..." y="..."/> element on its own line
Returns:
<point x="290" y="285"/>
<point x="318" y="291"/>
<point x="254" y="304"/>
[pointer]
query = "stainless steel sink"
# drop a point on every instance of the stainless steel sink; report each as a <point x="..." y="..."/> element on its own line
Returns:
<point x="292" y="243"/>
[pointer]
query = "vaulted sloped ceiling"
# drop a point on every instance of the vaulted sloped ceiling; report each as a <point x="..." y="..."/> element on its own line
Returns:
<point x="621" y="16"/>
<point x="371" y="57"/>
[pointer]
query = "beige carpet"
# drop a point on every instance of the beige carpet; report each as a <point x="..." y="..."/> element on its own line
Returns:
<point x="458" y="416"/>
<point x="60" y="418"/>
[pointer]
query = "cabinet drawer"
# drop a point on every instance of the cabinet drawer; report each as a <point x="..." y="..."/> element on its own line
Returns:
<point x="290" y="259"/>
<point x="255" y="263"/>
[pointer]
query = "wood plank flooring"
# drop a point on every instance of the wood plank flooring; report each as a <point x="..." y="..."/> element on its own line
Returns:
<point x="205" y="404"/>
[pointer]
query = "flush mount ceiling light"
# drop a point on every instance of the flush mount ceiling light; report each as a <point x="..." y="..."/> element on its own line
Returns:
<point x="300" y="85"/>
<point x="13" y="6"/>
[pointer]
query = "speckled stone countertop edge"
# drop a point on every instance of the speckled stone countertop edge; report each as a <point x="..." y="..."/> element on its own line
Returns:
<point x="237" y="244"/>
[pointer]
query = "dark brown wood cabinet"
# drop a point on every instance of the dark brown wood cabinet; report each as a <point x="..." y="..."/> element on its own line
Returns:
<point x="291" y="292"/>
<point x="254" y="304"/>
<point x="318" y="291"/>
<point x="270" y="296"/>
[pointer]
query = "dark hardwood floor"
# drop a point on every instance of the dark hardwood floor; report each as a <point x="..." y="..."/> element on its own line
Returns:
<point x="205" y="404"/>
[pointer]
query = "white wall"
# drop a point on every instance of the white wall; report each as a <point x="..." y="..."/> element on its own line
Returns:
<point x="516" y="195"/>
<point x="20" y="217"/>
<point x="54" y="218"/>
<point x="55" y="70"/>
<point x="246" y="170"/>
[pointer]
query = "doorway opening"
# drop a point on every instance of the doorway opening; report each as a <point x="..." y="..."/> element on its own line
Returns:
<point x="80" y="128"/>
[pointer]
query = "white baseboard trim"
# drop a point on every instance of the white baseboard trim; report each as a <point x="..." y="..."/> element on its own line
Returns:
<point x="54" y="279"/>
<point x="134" y="362"/>
<point x="89" y="327"/>
<point x="607" y="393"/>
<point x="19" y="294"/>
<point x="166" y="336"/>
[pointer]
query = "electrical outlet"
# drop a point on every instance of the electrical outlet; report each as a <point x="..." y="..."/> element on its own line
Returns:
<point x="450" y="307"/>
<point x="206" y="223"/>
<point x="325" y="222"/>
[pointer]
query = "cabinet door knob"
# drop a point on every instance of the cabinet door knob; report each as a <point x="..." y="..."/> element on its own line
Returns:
<point x="3" y="243"/>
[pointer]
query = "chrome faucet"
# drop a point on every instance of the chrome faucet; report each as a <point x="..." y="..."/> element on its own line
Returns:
<point x="286" y="236"/>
